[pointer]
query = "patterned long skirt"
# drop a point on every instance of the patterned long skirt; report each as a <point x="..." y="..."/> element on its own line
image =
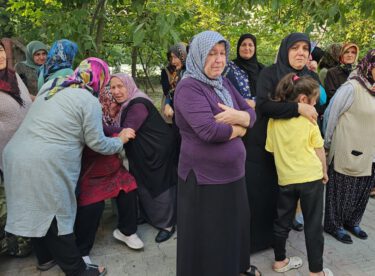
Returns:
<point x="346" y="199"/>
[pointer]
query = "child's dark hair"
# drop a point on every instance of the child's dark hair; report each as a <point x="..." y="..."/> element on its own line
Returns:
<point x="290" y="86"/>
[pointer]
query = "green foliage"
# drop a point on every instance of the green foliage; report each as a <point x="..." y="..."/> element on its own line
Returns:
<point x="151" y="26"/>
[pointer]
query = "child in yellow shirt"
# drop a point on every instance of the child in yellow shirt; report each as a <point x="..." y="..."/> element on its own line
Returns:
<point x="297" y="146"/>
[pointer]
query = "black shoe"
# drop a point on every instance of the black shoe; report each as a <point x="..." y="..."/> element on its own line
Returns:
<point x="164" y="235"/>
<point x="252" y="272"/>
<point x="341" y="236"/>
<point x="296" y="226"/>
<point x="357" y="231"/>
<point x="46" y="266"/>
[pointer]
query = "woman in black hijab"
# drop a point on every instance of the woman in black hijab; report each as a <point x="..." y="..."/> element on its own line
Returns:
<point x="261" y="177"/>
<point x="243" y="71"/>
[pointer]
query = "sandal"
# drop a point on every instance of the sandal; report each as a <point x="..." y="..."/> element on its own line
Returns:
<point x="294" y="263"/>
<point x="93" y="270"/>
<point x="252" y="272"/>
<point x="46" y="266"/>
<point x="327" y="272"/>
<point x="342" y="236"/>
<point x="357" y="231"/>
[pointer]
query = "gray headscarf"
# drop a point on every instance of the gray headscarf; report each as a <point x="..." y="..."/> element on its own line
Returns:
<point x="199" y="48"/>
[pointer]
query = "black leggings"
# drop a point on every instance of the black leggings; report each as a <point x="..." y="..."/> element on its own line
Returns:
<point x="62" y="248"/>
<point x="311" y="196"/>
<point x="88" y="219"/>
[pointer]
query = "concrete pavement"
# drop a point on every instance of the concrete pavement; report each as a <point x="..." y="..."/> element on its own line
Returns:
<point x="357" y="259"/>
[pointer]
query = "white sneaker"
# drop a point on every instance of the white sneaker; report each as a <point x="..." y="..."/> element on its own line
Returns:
<point x="132" y="241"/>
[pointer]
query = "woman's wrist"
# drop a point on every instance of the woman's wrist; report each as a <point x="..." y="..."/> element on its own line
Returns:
<point x="245" y="119"/>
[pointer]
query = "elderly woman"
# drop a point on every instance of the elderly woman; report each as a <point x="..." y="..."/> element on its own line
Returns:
<point x="152" y="154"/>
<point x="65" y="116"/>
<point x="59" y="61"/>
<point x="244" y="71"/>
<point x="213" y="213"/>
<point x="261" y="174"/>
<point x="170" y="76"/>
<point x="339" y="74"/>
<point x="36" y="54"/>
<point x="104" y="177"/>
<point x="14" y="103"/>
<point x="349" y="139"/>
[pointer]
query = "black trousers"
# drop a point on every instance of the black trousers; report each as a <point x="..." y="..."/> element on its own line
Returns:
<point x="62" y="248"/>
<point x="311" y="196"/>
<point x="88" y="219"/>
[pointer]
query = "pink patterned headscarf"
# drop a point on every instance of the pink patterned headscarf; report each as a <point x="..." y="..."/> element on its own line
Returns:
<point x="91" y="74"/>
<point x="112" y="109"/>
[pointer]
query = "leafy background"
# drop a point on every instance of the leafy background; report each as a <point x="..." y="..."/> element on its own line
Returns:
<point x="140" y="31"/>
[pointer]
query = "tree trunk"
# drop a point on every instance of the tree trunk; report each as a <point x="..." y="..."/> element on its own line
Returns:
<point x="146" y="74"/>
<point x="100" y="27"/>
<point x="134" y="62"/>
<point x="95" y="16"/>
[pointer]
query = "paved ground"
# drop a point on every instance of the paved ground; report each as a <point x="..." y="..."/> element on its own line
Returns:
<point x="357" y="259"/>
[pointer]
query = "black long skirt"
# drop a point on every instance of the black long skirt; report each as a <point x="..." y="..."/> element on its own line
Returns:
<point x="262" y="188"/>
<point x="213" y="228"/>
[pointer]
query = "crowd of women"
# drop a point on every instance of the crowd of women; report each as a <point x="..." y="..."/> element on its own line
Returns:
<point x="234" y="150"/>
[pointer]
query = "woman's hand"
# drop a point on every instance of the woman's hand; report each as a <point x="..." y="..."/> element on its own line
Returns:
<point x="308" y="111"/>
<point x="325" y="178"/>
<point x="168" y="111"/>
<point x="232" y="116"/>
<point x="126" y="134"/>
<point x="251" y="103"/>
<point x="238" y="131"/>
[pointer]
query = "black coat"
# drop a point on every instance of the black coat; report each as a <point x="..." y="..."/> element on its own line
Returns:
<point x="152" y="154"/>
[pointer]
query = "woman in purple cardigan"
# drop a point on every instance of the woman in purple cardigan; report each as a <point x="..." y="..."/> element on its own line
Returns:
<point x="212" y="214"/>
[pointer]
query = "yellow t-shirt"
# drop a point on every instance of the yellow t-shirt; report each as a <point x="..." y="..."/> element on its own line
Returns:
<point x="292" y="141"/>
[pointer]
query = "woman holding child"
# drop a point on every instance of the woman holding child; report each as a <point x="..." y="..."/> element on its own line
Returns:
<point x="292" y="57"/>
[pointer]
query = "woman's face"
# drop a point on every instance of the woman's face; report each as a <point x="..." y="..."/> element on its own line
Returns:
<point x="40" y="57"/>
<point x="176" y="62"/>
<point x="3" y="58"/>
<point x="215" y="61"/>
<point x="349" y="55"/>
<point x="247" y="48"/>
<point x="298" y="55"/>
<point x="118" y="90"/>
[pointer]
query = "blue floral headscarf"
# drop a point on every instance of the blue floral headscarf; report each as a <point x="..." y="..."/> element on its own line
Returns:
<point x="60" y="56"/>
<point x="199" y="48"/>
